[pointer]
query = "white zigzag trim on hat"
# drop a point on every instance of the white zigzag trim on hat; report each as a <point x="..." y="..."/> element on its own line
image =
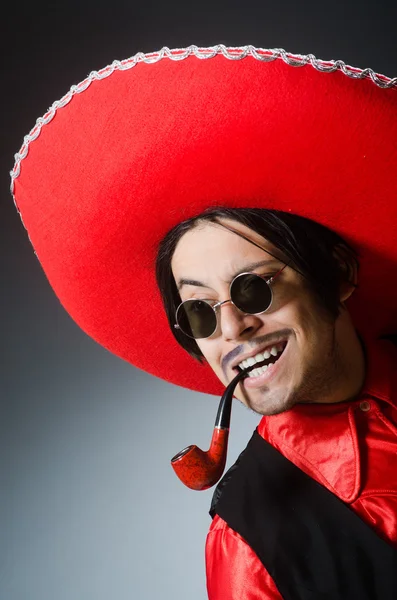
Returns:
<point x="232" y="53"/>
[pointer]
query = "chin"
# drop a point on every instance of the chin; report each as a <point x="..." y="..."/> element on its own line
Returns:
<point x="274" y="404"/>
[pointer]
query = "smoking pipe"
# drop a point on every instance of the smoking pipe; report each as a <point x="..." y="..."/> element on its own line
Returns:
<point x="200" y="470"/>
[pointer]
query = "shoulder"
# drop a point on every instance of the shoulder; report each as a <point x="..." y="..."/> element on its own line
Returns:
<point x="234" y="571"/>
<point x="220" y="526"/>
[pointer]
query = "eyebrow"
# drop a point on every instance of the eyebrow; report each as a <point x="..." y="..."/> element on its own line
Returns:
<point x="247" y="268"/>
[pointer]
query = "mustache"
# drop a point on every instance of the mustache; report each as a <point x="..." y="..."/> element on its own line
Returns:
<point x="268" y="339"/>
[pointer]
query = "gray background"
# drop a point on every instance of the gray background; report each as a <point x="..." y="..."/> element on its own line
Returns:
<point x="90" y="508"/>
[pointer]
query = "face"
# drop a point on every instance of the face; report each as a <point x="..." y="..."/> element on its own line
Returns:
<point x="306" y="362"/>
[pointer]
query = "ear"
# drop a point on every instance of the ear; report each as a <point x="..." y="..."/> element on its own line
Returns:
<point x="348" y="267"/>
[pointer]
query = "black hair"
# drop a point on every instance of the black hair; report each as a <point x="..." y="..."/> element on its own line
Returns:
<point x="319" y="254"/>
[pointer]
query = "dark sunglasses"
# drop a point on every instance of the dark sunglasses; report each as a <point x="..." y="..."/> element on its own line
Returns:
<point x="250" y="293"/>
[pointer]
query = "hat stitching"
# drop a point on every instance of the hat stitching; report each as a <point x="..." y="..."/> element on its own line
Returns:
<point x="231" y="53"/>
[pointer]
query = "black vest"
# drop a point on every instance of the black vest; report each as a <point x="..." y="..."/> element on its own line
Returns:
<point x="311" y="543"/>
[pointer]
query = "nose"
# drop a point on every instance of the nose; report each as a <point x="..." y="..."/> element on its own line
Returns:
<point x="236" y="325"/>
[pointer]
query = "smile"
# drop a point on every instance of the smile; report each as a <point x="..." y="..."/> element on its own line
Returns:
<point x="258" y="364"/>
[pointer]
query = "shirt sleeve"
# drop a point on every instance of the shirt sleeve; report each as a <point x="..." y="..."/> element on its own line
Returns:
<point x="234" y="572"/>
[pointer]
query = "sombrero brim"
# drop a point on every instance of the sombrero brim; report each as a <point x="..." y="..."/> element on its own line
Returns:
<point x="148" y="142"/>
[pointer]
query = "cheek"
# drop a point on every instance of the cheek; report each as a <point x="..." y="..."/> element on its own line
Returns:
<point x="294" y="306"/>
<point x="287" y="298"/>
<point x="287" y="312"/>
<point x="208" y="351"/>
<point x="312" y="327"/>
<point x="212" y="355"/>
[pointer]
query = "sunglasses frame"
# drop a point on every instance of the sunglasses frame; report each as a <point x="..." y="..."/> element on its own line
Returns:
<point x="216" y="306"/>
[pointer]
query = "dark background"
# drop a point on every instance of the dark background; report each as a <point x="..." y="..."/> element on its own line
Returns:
<point x="89" y="507"/>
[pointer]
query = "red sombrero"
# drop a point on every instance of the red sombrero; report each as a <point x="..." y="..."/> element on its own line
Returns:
<point x="150" y="141"/>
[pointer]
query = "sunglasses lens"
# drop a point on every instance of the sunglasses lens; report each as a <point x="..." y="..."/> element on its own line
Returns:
<point x="196" y="318"/>
<point x="250" y="293"/>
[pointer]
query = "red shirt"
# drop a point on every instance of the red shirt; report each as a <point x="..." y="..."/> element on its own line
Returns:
<point x="349" y="447"/>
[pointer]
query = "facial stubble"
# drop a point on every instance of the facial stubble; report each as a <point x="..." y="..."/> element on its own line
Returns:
<point x="322" y="375"/>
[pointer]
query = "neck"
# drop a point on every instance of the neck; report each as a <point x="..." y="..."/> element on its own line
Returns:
<point x="352" y="361"/>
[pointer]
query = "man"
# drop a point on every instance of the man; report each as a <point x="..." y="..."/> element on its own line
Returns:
<point x="301" y="154"/>
<point x="306" y="352"/>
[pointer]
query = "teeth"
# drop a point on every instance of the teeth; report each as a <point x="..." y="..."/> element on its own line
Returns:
<point x="256" y="372"/>
<point x="258" y="358"/>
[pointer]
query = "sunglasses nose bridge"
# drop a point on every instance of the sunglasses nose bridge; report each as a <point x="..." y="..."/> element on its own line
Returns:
<point x="232" y="323"/>
<point x="217" y="310"/>
<point x="219" y="304"/>
<point x="230" y="301"/>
